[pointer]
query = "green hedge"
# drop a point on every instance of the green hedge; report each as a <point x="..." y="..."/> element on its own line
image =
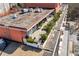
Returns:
<point x="49" y="26"/>
<point x="44" y="36"/>
<point x="56" y="16"/>
<point x="30" y="40"/>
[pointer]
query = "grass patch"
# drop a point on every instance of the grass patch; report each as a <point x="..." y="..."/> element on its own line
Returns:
<point x="44" y="36"/>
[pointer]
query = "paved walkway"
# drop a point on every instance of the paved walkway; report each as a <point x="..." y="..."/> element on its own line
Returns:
<point x="51" y="42"/>
<point x="64" y="50"/>
<point x="72" y="40"/>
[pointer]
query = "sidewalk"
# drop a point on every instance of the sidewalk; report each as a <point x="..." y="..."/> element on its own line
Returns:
<point x="53" y="36"/>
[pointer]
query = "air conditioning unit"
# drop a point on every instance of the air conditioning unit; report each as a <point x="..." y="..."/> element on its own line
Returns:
<point x="25" y="10"/>
<point x="38" y="10"/>
<point x="14" y="16"/>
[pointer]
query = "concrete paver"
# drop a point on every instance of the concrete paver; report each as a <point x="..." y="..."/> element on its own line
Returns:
<point x="46" y="53"/>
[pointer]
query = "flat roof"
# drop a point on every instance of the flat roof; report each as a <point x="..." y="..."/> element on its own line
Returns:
<point x="26" y="21"/>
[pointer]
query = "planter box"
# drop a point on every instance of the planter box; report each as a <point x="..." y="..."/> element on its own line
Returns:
<point x="32" y="44"/>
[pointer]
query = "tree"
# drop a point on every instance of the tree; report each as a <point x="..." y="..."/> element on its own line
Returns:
<point x="73" y="13"/>
<point x="44" y="36"/>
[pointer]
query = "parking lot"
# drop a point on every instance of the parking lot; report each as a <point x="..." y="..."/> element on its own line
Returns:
<point x="17" y="49"/>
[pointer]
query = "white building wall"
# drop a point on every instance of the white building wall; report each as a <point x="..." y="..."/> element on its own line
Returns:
<point x="4" y="8"/>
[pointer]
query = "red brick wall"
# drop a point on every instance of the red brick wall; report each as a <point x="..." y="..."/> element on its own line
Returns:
<point x="58" y="7"/>
<point x="12" y="34"/>
<point x="42" y="5"/>
<point x="55" y="6"/>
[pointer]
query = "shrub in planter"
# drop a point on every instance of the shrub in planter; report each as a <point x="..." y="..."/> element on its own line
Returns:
<point x="40" y="24"/>
<point x="30" y="40"/>
<point x="44" y="36"/>
<point x="49" y="26"/>
<point x="47" y="29"/>
<point x="56" y="16"/>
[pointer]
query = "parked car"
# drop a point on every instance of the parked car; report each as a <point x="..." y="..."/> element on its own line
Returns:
<point x="77" y="37"/>
<point x="2" y="44"/>
<point x="77" y="34"/>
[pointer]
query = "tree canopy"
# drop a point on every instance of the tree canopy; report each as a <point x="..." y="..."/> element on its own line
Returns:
<point x="73" y="13"/>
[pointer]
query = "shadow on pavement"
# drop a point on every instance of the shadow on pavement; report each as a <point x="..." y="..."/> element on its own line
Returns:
<point x="11" y="48"/>
<point x="26" y="48"/>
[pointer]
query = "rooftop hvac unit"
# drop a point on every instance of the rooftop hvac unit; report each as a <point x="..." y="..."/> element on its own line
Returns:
<point x="24" y="11"/>
<point x="31" y="9"/>
<point x="14" y="16"/>
<point x="38" y="10"/>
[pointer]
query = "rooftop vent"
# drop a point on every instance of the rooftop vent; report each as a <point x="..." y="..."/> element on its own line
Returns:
<point x="25" y="10"/>
<point x="14" y="16"/>
<point x="38" y="10"/>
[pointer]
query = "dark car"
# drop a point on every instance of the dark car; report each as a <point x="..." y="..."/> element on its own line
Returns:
<point x="77" y="34"/>
<point x="77" y="37"/>
<point x="2" y="44"/>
